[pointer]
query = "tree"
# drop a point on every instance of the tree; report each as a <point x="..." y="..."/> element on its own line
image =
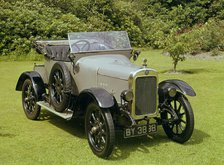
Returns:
<point x="177" y="46"/>
<point x="177" y="52"/>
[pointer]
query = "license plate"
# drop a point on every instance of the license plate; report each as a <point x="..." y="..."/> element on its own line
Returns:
<point x="139" y="130"/>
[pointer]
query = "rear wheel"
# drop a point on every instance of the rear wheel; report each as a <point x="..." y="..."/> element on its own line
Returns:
<point x="99" y="130"/>
<point x="181" y="129"/>
<point x="29" y="99"/>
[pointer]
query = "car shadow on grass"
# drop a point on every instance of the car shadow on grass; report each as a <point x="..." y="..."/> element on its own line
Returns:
<point x="74" y="127"/>
<point x="198" y="137"/>
<point x="124" y="147"/>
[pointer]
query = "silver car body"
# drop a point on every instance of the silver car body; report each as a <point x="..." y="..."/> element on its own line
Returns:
<point x="110" y="68"/>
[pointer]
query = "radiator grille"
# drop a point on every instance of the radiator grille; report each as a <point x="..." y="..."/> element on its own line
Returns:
<point x="145" y="95"/>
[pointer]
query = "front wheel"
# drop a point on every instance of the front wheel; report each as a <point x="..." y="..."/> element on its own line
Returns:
<point x="179" y="130"/>
<point x="99" y="128"/>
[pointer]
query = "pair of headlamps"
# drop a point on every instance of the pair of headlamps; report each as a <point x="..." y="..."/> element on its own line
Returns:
<point x="127" y="95"/>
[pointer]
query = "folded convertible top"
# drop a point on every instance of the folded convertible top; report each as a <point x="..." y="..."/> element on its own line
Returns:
<point x="54" y="49"/>
<point x="41" y="45"/>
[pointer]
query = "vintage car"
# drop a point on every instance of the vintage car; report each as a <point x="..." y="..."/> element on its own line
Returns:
<point x="90" y="76"/>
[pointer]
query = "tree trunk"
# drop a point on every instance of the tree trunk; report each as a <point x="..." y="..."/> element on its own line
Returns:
<point x="175" y="66"/>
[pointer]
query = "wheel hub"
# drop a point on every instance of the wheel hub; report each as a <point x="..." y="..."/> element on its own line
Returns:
<point x="29" y="95"/>
<point x="58" y="88"/>
<point x="95" y="129"/>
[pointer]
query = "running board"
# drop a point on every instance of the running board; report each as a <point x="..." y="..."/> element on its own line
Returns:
<point x="67" y="114"/>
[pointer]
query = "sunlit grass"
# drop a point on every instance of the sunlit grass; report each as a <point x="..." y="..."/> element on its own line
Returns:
<point x="17" y="56"/>
<point x="53" y="140"/>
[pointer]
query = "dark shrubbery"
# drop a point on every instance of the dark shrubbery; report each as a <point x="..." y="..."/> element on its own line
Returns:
<point x="179" y="26"/>
<point x="23" y="22"/>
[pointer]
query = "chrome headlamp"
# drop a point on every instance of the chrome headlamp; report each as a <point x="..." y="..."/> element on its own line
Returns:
<point x="127" y="95"/>
<point x="172" y="92"/>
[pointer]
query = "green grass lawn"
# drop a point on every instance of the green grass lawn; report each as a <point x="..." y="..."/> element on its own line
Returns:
<point x="53" y="140"/>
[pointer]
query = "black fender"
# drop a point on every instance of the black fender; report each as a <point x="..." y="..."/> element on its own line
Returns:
<point x="37" y="81"/>
<point x="98" y="95"/>
<point x="179" y="85"/>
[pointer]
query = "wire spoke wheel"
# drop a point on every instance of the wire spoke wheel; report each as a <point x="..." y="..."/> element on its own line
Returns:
<point x="59" y="86"/>
<point x="31" y="109"/>
<point x="179" y="130"/>
<point x="99" y="130"/>
<point x="179" y="126"/>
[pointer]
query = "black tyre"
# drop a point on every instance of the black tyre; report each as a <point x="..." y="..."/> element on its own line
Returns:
<point x="181" y="129"/>
<point x="99" y="128"/>
<point x="60" y="86"/>
<point x="29" y="99"/>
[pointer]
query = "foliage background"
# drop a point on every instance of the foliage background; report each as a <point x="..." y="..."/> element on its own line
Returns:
<point x="196" y="25"/>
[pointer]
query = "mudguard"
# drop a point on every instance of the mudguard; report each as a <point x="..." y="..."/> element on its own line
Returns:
<point x="98" y="95"/>
<point x="37" y="81"/>
<point x="179" y="85"/>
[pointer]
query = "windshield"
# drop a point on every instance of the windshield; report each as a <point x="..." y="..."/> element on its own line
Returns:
<point x="98" y="41"/>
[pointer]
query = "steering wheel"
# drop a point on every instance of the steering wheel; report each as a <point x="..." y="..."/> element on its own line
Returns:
<point x="81" y="45"/>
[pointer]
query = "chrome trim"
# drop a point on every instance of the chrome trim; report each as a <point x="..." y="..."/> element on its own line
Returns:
<point x="132" y="82"/>
<point x="133" y="74"/>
